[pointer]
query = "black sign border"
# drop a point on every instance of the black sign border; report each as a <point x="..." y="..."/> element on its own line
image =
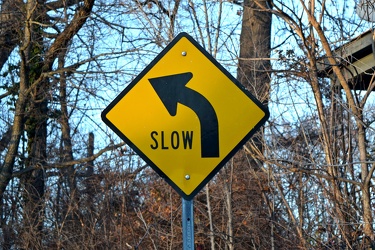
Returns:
<point x="149" y="161"/>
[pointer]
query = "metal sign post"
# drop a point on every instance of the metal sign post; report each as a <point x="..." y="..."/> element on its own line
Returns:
<point x="187" y="224"/>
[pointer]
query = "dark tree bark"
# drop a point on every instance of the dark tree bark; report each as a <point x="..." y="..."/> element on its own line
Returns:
<point x="254" y="73"/>
<point x="10" y="21"/>
<point x="254" y="66"/>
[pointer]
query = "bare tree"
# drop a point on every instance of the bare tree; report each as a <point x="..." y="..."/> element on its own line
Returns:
<point x="325" y="149"/>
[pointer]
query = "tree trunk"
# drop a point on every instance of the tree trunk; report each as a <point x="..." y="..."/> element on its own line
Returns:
<point x="10" y="21"/>
<point x="36" y="130"/>
<point x="254" y="73"/>
<point x="255" y="48"/>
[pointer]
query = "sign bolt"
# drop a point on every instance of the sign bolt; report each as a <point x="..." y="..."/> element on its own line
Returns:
<point x="187" y="177"/>
<point x="183" y="53"/>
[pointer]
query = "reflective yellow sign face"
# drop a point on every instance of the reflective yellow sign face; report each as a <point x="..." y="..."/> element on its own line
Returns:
<point x="185" y="115"/>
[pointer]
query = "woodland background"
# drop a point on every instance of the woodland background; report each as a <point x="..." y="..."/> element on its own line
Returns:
<point x="305" y="181"/>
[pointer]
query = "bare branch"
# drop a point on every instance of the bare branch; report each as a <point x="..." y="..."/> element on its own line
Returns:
<point x="68" y="163"/>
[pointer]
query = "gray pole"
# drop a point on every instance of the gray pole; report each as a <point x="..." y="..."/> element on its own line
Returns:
<point x="187" y="224"/>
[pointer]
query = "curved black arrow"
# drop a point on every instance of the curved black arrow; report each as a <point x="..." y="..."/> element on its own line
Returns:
<point x="172" y="90"/>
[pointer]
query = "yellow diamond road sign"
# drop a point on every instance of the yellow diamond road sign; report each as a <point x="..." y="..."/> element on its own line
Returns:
<point x="185" y="115"/>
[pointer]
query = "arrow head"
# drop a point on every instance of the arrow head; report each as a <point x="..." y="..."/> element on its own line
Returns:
<point x="170" y="88"/>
